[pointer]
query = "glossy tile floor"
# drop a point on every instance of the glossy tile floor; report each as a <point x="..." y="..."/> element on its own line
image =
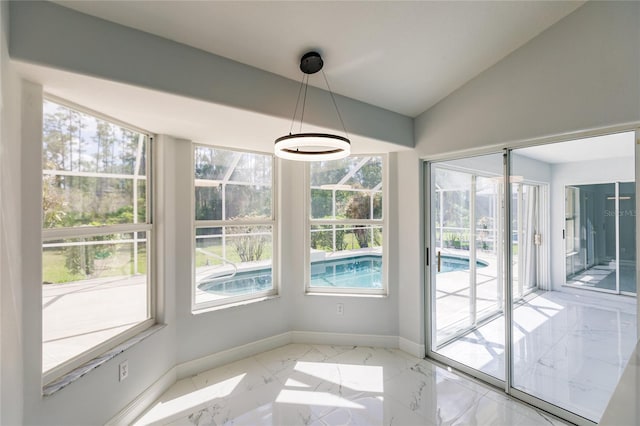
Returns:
<point x="569" y="349"/>
<point x="328" y="385"/>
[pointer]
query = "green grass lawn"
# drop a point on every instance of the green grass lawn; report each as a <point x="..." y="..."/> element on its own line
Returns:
<point x="120" y="263"/>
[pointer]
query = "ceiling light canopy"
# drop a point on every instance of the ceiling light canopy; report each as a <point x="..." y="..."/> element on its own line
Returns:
<point x="312" y="146"/>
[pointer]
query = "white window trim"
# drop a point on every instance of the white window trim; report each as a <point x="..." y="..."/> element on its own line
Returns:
<point x="86" y="231"/>
<point x="241" y="300"/>
<point x="384" y="291"/>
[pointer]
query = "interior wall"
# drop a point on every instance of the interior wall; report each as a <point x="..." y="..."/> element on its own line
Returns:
<point x="579" y="173"/>
<point x="582" y="73"/>
<point x="11" y="364"/>
<point x="101" y="393"/>
<point x="317" y="313"/>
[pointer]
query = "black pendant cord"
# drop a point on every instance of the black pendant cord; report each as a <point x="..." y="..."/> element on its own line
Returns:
<point x="304" y="101"/>
<point x="335" y="104"/>
<point x="295" y="111"/>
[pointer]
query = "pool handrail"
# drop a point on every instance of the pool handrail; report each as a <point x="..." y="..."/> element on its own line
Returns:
<point x="221" y="277"/>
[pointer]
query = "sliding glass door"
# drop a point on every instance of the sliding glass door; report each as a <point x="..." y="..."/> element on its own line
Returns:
<point x="467" y="297"/>
<point x="600" y="241"/>
<point x="509" y="260"/>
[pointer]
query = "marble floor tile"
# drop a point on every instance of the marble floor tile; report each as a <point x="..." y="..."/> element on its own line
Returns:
<point x="330" y="385"/>
<point x="569" y="349"/>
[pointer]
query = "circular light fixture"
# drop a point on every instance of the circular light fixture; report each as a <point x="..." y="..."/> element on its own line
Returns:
<point x="312" y="146"/>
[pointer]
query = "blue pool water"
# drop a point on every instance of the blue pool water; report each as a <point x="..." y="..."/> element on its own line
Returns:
<point x="350" y="272"/>
<point x="449" y="263"/>
<point x="241" y="283"/>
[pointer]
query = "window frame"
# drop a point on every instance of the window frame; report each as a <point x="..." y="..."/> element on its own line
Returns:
<point x="83" y="231"/>
<point x="214" y="223"/>
<point x="382" y="222"/>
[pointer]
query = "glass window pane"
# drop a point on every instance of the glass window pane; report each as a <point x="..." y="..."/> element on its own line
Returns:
<point x="93" y="289"/>
<point x="247" y="202"/>
<point x="69" y="201"/>
<point x="208" y="201"/>
<point x="369" y="175"/>
<point x="211" y="163"/>
<point x="346" y="256"/>
<point x="75" y="141"/>
<point x="253" y="168"/>
<point x="93" y="170"/>
<point x="233" y="261"/>
<point x="350" y="188"/>
<point x="232" y="185"/>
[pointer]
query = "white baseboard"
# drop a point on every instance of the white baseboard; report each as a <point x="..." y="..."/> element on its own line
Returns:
<point x="135" y="408"/>
<point x="411" y="347"/>
<point x="191" y="368"/>
<point x="321" y="338"/>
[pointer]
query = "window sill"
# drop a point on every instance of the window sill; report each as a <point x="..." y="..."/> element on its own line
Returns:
<point x="365" y="295"/>
<point x="198" y="311"/>
<point x="65" y="380"/>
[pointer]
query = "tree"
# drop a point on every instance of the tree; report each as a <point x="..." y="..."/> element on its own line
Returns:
<point x="250" y="247"/>
<point x="53" y="204"/>
<point x="359" y="207"/>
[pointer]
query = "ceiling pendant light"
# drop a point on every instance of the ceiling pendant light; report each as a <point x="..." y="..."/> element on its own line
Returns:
<point x="312" y="146"/>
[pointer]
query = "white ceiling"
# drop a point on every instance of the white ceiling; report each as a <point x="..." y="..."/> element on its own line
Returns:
<point x="616" y="145"/>
<point x="404" y="56"/>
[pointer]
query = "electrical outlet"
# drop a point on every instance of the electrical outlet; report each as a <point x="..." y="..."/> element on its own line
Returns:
<point x="123" y="370"/>
<point x="340" y="309"/>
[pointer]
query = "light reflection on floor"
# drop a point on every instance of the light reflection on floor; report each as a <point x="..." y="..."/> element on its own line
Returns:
<point x="330" y="385"/>
<point x="569" y="349"/>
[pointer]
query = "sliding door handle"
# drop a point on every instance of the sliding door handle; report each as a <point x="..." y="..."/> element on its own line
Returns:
<point x="439" y="260"/>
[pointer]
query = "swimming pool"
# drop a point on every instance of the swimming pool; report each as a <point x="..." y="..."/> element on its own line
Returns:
<point x="449" y="263"/>
<point x="349" y="272"/>
<point x="241" y="283"/>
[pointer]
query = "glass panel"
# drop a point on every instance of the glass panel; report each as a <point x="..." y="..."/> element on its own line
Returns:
<point x="208" y="201"/>
<point x="347" y="189"/>
<point x="232" y="185"/>
<point x="525" y="237"/>
<point x="346" y="256"/>
<point x="466" y="264"/>
<point x="627" y="215"/>
<point x="253" y="168"/>
<point x="69" y="201"/>
<point x="489" y="291"/>
<point x="211" y="163"/>
<point x="93" y="289"/>
<point x="247" y="202"/>
<point x="93" y="170"/>
<point x="570" y="347"/>
<point x="233" y="261"/>
<point x="590" y="212"/>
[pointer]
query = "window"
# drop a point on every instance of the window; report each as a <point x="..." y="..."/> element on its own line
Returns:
<point x="96" y="236"/>
<point x="234" y="226"/>
<point x="346" y="226"/>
